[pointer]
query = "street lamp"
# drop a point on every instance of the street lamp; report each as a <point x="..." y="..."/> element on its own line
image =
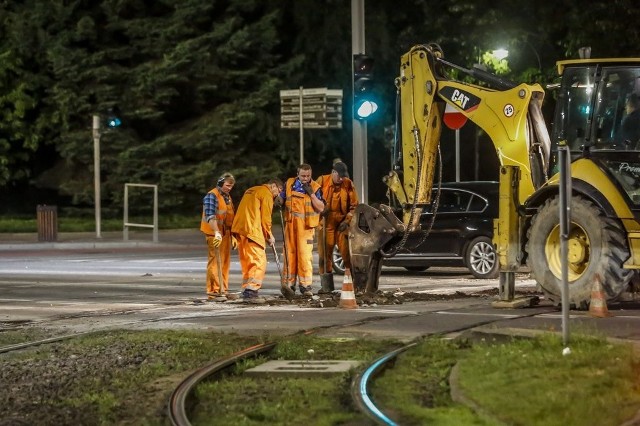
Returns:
<point x="500" y="54"/>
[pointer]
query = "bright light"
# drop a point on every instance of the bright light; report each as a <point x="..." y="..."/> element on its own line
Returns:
<point x="366" y="108"/>
<point x="500" y="54"/>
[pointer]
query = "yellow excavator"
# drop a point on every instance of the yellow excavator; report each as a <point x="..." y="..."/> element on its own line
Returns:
<point x="603" y="237"/>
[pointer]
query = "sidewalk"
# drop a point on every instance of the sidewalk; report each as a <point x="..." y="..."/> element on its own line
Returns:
<point x="111" y="239"/>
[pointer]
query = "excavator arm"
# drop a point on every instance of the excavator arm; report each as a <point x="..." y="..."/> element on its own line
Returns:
<point x="508" y="112"/>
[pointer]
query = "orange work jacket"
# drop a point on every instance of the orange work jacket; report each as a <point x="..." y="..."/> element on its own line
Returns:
<point x="348" y="199"/>
<point x="253" y="216"/>
<point x="224" y="214"/>
<point x="311" y="217"/>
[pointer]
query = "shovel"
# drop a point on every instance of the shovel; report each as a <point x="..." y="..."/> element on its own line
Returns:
<point x="284" y="288"/>
<point x="326" y="279"/>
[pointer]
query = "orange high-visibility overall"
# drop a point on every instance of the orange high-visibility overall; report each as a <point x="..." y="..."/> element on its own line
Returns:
<point x="340" y="202"/>
<point x="252" y="225"/>
<point x="224" y="218"/>
<point x="300" y="221"/>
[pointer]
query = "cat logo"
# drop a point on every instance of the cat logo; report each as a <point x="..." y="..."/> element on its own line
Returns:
<point x="463" y="100"/>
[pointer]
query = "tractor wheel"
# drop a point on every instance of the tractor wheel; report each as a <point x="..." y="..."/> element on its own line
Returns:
<point x="597" y="246"/>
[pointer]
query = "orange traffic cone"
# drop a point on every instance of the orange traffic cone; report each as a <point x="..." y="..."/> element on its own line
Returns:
<point x="598" y="306"/>
<point x="347" y="295"/>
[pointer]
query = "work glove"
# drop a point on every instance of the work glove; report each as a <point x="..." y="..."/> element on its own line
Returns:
<point x="234" y="243"/>
<point x="217" y="239"/>
<point x="343" y="226"/>
<point x="271" y="240"/>
<point x="307" y="188"/>
<point x="278" y="201"/>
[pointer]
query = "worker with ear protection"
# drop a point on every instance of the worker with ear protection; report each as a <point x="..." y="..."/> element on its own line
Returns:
<point x="217" y="219"/>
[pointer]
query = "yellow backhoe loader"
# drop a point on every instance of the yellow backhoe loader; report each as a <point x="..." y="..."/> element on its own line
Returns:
<point x="604" y="232"/>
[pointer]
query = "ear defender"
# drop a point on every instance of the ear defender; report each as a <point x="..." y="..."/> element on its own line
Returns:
<point x="223" y="178"/>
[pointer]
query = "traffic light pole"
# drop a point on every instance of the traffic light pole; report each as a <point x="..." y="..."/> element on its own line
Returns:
<point x="360" y="177"/>
<point x="96" y="171"/>
<point x="301" y="126"/>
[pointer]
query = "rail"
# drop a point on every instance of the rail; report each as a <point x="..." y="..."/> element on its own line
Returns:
<point x="127" y="224"/>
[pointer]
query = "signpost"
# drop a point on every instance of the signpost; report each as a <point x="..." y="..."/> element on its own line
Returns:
<point x="318" y="108"/>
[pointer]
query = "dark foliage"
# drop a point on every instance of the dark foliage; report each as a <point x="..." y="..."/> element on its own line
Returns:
<point x="197" y="83"/>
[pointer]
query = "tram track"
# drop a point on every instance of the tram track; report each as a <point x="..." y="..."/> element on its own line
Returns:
<point x="177" y="410"/>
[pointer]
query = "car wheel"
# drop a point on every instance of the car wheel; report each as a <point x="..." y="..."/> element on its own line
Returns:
<point x="482" y="259"/>
<point x="338" y="262"/>
<point x="416" y="268"/>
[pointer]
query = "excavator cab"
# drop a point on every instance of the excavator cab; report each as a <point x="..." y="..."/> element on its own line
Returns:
<point x="595" y="115"/>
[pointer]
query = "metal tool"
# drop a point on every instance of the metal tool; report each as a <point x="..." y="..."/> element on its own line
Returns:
<point x="275" y="254"/>
<point x="219" y="264"/>
<point x="284" y="285"/>
<point x="326" y="278"/>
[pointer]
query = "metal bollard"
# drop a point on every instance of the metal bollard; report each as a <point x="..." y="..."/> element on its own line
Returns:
<point x="47" y="217"/>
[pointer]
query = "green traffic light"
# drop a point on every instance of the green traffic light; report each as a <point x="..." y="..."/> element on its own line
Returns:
<point x="366" y="108"/>
<point x="364" y="103"/>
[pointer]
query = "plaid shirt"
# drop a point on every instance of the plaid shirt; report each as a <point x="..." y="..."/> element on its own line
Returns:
<point x="210" y="202"/>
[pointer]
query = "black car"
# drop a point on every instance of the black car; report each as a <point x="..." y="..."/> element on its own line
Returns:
<point x="460" y="236"/>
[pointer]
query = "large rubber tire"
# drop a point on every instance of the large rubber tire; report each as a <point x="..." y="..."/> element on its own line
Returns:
<point x="597" y="247"/>
<point x="481" y="258"/>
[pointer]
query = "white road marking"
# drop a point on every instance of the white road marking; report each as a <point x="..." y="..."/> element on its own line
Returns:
<point x="477" y="314"/>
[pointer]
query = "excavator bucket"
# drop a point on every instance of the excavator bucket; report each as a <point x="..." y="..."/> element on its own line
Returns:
<point x="370" y="230"/>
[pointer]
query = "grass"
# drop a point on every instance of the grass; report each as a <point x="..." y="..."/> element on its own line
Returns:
<point x="85" y="224"/>
<point x="124" y="377"/>
<point x="597" y="384"/>
<point x="18" y="224"/>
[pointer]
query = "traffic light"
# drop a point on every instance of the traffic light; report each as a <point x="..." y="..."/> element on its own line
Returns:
<point x="113" y="117"/>
<point x="364" y="101"/>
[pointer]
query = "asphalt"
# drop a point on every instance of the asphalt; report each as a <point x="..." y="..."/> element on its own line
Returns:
<point x="624" y="317"/>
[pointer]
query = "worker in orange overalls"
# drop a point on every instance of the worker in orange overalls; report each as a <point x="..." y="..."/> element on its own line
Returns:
<point x="303" y="204"/>
<point x="252" y="228"/>
<point x="341" y="200"/>
<point x="217" y="218"/>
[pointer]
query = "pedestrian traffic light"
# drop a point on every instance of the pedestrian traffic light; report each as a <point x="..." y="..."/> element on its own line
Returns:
<point x="364" y="101"/>
<point x="113" y="117"/>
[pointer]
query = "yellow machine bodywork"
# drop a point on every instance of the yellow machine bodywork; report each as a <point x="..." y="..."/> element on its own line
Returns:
<point x="511" y="116"/>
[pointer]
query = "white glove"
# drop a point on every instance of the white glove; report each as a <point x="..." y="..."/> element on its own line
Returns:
<point x="272" y="240"/>
<point x="217" y="239"/>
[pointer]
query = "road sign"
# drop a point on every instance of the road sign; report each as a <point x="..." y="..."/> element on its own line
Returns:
<point x="321" y="108"/>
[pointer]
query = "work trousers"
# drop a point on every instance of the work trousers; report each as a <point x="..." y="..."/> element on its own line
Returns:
<point x="298" y="253"/>
<point x="218" y="257"/>
<point x="327" y="238"/>
<point x="253" y="261"/>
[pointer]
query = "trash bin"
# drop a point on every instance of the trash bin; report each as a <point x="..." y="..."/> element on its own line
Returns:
<point x="47" y="223"/>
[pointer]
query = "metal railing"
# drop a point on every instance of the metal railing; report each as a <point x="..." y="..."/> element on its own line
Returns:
<point x="127" y="224"/>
